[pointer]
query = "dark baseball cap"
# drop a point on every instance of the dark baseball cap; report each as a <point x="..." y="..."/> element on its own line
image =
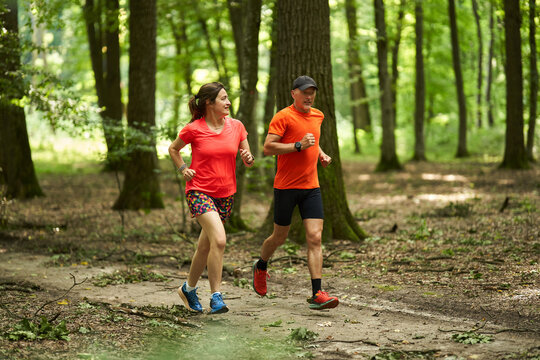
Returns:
<point x="303" y="82"/>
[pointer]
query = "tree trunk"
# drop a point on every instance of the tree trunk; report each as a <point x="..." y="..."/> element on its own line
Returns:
<point x="270" y="100"/>
<point x="462" y="139"/>
<point x="480" y="61"/>
<point x="106" y="68"/>
<point x="16" y="166"/>
<point x="141" y="184"/>
<point x="389" y="159"/>
<point x="515" y="156"/>
<point x="490" y="68"/>
<point x="308" y="53"/>
<point x="533" y="92"/>
<point x="395" y="58"/>
<point x="248" y="98"/>
<point x="359" y="107"/>
<point x="420" y="86"/>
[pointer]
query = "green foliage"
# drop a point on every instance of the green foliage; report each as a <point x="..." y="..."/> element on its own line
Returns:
<point x="471" y="337"/>
<point x="276" y="323"/>
<point x="423" y="232"/>
<point x="30" y="330"/>
<point x="454" y="210"/>
<point x="241" y="283"/>
<point x="290" y="248"/>
<point x="302" y="334"/>
<point x="404" y="355"/>
<point x="346" y="255"/>
<point x="133" y="275"/>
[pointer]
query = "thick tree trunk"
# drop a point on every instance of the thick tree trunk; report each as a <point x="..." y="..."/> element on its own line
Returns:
<point x="515" y="156"/>
<point x="490" y="68"/>
<point x="16" y="167"/>
<point x="480" y="64"/>
<point x="462" y="139"/>
<point x="308" y="53"/>
<point x="533" y="92"/>
<point x="389" y="159"/>
<point x="248" y="98"/>
<point x="420" y="86"/>
<point x="141" y="184"/>
<point x="359" y="107"/>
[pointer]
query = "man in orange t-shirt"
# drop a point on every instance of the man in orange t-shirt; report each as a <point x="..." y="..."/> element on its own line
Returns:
<point x="293" y="135"/>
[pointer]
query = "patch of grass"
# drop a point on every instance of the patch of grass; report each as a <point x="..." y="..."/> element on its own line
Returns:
<point x="241" y="283"/>
<point x="386" y="287"/>
<point x="453" y="210"/>
<point x="471" y="337"/>
<point x="129" y="276"/>
<point x="32" y="330"/>
<point x="302" y="334"/>
<point x="404" y="355"/>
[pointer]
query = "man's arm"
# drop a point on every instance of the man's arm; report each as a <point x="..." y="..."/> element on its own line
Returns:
<point x="324" y="159"/>
<point x="274" y="146"/>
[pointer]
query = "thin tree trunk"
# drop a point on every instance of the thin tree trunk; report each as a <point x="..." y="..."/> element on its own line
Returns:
<point x="359" y="107"/>
<point x="480" y="64"/>
<point x="308" y="53"/>
<point x="395" y="58"/>
<point x="248" y="98"/>
<point x="462" y="139"/>
<point x="515" y="156"/>
<point x="141" y="188"/>
<point x="270" y="100"/>
<point x="420" y="86"/>
<point x="16" y="166"/>
<point x="489" y="81"/>
<point x="533" y="91"/>
<point x="389" y="159"/>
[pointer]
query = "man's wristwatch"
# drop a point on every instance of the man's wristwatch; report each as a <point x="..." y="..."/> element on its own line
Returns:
<point x="298" y="146"/>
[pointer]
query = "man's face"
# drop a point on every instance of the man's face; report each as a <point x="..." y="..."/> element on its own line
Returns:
<point x="303" y="99"/>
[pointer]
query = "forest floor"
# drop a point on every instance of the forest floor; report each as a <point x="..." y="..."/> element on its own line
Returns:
<point x="450" y="271"/>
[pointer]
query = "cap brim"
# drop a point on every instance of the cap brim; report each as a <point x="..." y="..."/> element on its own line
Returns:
<point x="305" y="86"/>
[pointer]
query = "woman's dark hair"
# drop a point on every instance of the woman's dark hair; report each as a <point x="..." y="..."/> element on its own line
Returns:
<point x="197" y="103"/>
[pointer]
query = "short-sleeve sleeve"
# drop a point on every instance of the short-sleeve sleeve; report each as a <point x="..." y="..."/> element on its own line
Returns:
<point x="278" y="125"/>
<point x="242" y="130"/>
<point x="186" y="134"/>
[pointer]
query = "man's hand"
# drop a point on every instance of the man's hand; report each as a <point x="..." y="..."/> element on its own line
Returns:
<point x="325" y="160"/>
<point x="307" y="141"/>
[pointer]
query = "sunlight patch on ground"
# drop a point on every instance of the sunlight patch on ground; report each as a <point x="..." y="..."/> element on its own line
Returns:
<point x="441" y="177"/>
<point x="445" y="197"/>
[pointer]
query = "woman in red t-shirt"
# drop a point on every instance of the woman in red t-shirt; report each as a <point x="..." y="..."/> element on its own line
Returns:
<point x="215" y="141"/>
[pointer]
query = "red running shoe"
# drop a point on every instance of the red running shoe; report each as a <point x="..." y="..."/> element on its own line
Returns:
<point x="321" y="300"/>
<point x="259" y="279"/>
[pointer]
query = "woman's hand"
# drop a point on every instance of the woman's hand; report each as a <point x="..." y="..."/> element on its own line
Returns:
<point x="188" y="174"/>
<point x="247" y="157"/>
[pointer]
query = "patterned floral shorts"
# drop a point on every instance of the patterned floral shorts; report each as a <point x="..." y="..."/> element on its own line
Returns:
<point x="200" y="203"/>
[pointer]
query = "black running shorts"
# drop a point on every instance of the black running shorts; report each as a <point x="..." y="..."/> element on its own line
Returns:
<point x="309" y="203"/>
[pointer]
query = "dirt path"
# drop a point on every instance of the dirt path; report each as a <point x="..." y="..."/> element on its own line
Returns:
<point x="362" y="326"/>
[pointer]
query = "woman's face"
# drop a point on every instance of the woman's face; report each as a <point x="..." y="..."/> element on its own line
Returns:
<point x="221" y="105"/>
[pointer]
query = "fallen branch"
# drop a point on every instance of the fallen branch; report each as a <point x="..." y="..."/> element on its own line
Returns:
<point x="75" y="283"/>
<point x="422" y="269"/>
<point x="367" y="342"/>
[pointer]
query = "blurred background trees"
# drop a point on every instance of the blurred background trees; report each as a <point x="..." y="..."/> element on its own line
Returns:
<point x="404" y="77"/>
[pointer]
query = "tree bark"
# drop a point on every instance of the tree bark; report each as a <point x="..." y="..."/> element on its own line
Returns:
<point x="248" y="98"/>
<point x="480" y="64"/>
<point x="490" y="68"/>
<point x="420" y="86"/>
<point x="141" y="188"/>
<point x="304" y="49"/>
<point x="106" y="68"/>
<point x="359" y="107"/>
<point x="462" y="139"/>
<point x="270" y="100"/>
<point x="533" y="91"/>
<point x="389" y="159"/>
<point x="16" y="166"/>
<point x="395" y="58"/>
<point x="515" y="156"/>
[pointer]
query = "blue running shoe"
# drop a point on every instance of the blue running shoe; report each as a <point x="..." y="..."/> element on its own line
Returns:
<point x="217" y="304"/>
<point x="190" y="299"/>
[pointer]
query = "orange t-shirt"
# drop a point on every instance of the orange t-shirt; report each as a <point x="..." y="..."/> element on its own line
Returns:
<point x="297" y="170"/>
<point x="213" y="156"/>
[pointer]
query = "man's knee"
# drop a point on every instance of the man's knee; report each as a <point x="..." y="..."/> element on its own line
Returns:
<point x="314" y="237"/>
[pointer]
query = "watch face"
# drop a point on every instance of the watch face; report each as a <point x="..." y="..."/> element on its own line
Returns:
<point x="298" y="146"/>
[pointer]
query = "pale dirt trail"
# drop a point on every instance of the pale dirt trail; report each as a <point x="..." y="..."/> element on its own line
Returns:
<point x="359" y="327"/>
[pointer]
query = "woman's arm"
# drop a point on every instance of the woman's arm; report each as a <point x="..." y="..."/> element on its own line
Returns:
<point x="245" y="153"/>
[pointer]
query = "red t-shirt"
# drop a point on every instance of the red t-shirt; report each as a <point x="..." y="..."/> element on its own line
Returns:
<point x="213" y="156"/>
<point x="297" y="170"/>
